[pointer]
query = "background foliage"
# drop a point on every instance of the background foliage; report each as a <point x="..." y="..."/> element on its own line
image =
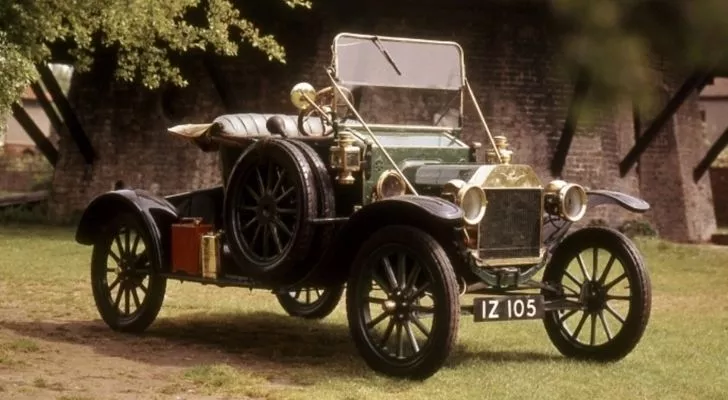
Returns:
<point x="142" y="34"/>
<point x="611" y="40"/>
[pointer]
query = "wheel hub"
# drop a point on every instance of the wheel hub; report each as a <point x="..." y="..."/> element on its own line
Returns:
<point x="593" y="295"/>
<point x="123" y="267"/>
<point x="267" y="209"/>
<point x="127" y="268"/>
<point x="397" y="304"/>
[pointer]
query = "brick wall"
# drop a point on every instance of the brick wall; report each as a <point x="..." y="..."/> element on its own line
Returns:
<point x="719" y="185"/>
<point x="512" y="63"/>
<point x="127" y="128"/>
<point x="22" y="169"/>
<point x="682" y="209"/>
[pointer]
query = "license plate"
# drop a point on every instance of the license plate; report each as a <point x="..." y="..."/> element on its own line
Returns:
<point x="508" y="308"/>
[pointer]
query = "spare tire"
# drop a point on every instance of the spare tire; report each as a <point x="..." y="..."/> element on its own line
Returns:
<point x="270" y="199"/>
<point x="326" y="199"/>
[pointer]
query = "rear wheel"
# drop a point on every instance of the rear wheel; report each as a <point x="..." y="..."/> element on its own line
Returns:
<point x="310" y="303"/>
<point x="125" y="280"/>
<point x="402" y="303"/>
<point x="602" y="271"/>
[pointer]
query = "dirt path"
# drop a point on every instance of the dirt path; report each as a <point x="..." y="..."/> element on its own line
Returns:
<point x="79" y="360"/>
<point x="82" y="359"/>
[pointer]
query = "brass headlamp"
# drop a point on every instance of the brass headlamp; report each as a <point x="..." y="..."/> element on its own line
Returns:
<point x="345" y="157"/>
<point x="566" y="200"/>
<point x="389" y="184"/>
<point x="470" y="198"/>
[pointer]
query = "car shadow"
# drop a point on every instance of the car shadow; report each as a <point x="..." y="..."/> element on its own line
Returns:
<point x="462" y="356"/>
<point x="266" y="340"/>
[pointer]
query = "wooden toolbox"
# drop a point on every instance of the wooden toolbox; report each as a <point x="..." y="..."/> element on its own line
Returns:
<point x="186" y="243"/>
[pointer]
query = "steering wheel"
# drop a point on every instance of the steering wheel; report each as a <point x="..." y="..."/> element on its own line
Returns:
<point x="326" y="100"/>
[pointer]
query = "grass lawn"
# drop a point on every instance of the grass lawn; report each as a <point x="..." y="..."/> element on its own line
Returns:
<point x="231" y="343"/>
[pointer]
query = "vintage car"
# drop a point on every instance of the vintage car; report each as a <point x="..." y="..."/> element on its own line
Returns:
<point x="403" y="216"/>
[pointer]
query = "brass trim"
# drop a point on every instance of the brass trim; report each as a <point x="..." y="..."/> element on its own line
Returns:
<point x="555" y="193"/>
<point x="378" y="188"/>
<point x="339" y="158"/>
<point x="500" y="262"/>
<point x="460" y="198"/>
<point x="506" y="154"/>
<point x="303" y="95"/>
<point x="505" y="176"/>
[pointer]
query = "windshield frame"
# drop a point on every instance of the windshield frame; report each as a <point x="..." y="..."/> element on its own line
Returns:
<point x="379" y="41"/>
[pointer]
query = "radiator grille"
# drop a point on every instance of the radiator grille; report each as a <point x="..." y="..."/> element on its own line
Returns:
<point x="512" y="224"/>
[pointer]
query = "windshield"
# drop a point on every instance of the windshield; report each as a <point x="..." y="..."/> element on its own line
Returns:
<point x="365" y="60"/>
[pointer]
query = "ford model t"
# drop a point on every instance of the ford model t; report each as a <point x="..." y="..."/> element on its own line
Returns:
<point x="401" y="215"/>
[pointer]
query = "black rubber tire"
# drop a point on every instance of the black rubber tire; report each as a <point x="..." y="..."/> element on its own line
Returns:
<point x="320" y="308"/>
<point x="640" y="295"/>
<point x="150" y="305"/>
<point x="326" y="201"/>
<point x="434" y="263"/>
<point x="288" y="265"/>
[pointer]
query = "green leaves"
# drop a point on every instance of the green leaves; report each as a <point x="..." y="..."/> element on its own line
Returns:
<point x="16" y="72"/>
<point x="615" y="41"/>
<point x="143" y="33"/>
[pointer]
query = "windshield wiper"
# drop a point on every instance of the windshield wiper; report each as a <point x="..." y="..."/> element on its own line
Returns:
<point x="384" y="51"/>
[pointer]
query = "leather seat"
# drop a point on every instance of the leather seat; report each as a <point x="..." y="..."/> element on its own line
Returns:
<point x="250" y="124"/>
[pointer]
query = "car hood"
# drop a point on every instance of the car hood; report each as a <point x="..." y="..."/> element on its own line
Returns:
<point x="432" y="177"/>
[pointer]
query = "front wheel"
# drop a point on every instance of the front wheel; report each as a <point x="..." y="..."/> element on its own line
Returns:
<point x="310" y="303"/>
<point x="126" y="285"/>
<point x="601" y="272"/>
<point x="402" y="303"/>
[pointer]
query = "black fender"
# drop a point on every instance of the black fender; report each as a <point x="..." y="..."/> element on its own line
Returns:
<point x="555" y="229"/>
<point x="438" y="217"/>
<point x="630" y="203"/>
<point x="154" y="212"/>
<point x="431" y="214"/>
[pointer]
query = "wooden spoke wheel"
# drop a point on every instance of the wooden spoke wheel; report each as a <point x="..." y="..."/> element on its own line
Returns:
<point x="602" y="271"/>
<point x="402" y="303"/>
<point x="270" y="199"/>
<point x="127" y="287"/>
<point x="311" y="303"/>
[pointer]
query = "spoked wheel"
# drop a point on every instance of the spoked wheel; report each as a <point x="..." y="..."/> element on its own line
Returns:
<point x="311" y="303"/>
<point x="402" y="303"/>
<point x="127" y="287"/>
<point x="602" y="271"/>
<point x="269" y="201"/>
